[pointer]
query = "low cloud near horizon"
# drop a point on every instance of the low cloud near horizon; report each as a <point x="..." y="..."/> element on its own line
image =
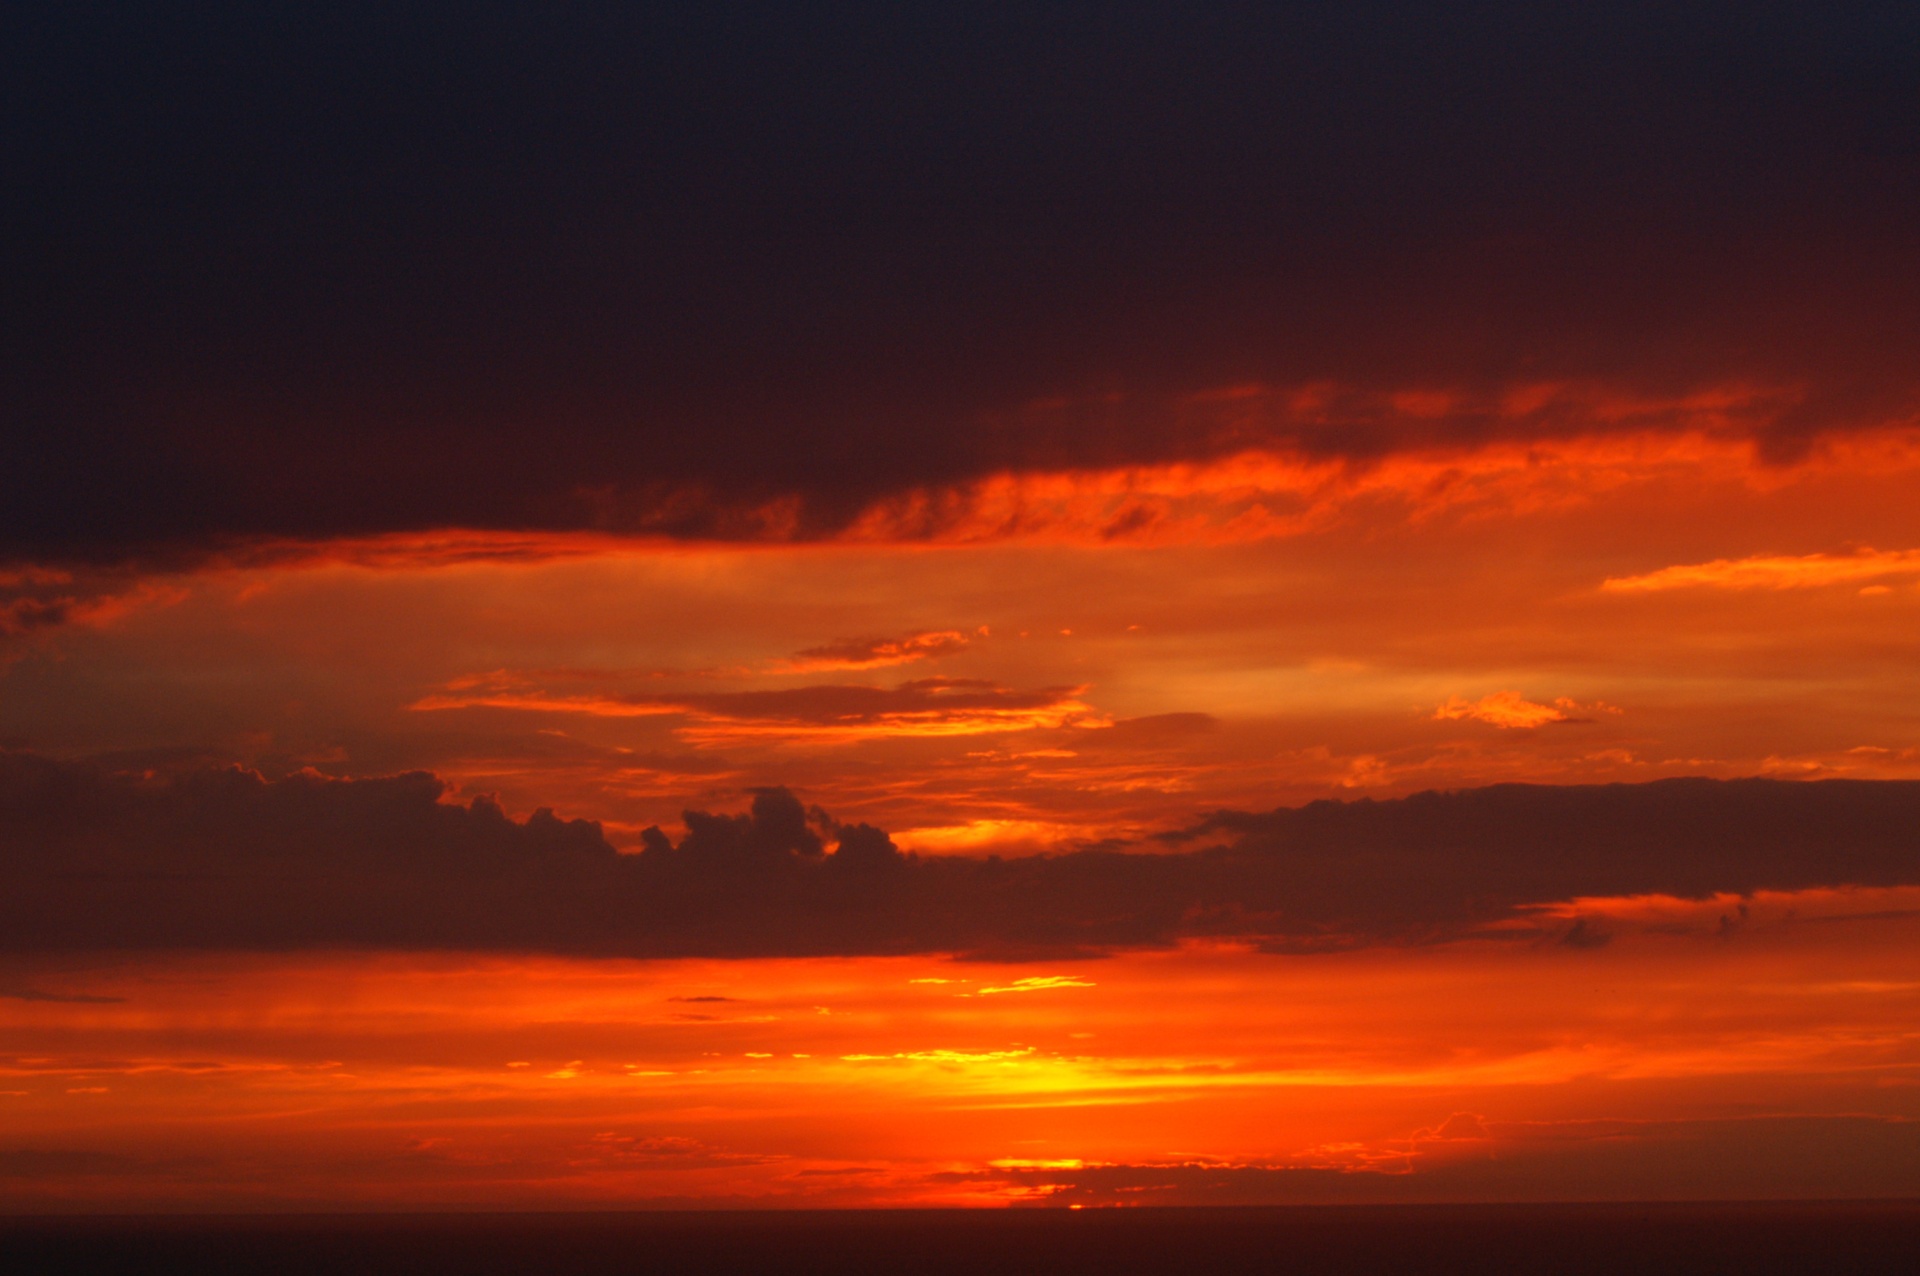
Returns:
<point x="225" y="859"/>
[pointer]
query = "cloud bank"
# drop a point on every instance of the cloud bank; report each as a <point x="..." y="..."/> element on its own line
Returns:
<point x="92" y="859"/>
<point x="713" y="273"/>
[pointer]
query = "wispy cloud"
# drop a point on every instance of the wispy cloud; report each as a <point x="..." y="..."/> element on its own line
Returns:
<point x="875" y="653"/>
<point x="1772" y="571"/>
<point x="1040" y="983"/>
<point x="923" y="707"/>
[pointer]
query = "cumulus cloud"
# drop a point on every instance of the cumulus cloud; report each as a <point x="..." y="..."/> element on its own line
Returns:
<point x="90" y="858"/>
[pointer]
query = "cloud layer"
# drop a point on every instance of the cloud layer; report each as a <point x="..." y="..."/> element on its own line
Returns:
<point x="923" y="706"/>
<point x="226" y="859"/>
<point x="706" y="273"/>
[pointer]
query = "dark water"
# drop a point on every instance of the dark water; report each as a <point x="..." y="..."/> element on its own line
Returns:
<point x="1623" y="1239"/>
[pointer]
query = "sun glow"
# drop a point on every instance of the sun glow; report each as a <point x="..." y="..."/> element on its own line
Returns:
<point x="679" y="1079"/>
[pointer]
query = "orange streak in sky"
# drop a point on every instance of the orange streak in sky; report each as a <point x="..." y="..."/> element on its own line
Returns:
<point x="1512" y="710"/>
<point x="1257" y="495"/>
<point x="708" y="727"/>
<point x="382" y="1079"/>
<point x="1601" y="443"/>
<point x="1774" y="571"/>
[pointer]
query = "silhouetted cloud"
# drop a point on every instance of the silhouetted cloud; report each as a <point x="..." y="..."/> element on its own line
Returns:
<point x="226" y="859"/>
<point x="1769" y="1157"/>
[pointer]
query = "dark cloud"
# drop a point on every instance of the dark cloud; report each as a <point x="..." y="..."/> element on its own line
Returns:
<point x="22" y="615"/>
<point x="1584" y="934"/>
<point x="41" y="598"/>
<point x="819" y="706"/>
<point x="1765" y="1158"/>
<point x="827" y="705"/>
<point x="226" y="859"/>
<point x="306" y="272"/>
<point x="857" y="653"/>
<point x="63" y="998"/>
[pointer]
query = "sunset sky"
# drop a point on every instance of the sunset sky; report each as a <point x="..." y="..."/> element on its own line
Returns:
<point x="627" y="606"/>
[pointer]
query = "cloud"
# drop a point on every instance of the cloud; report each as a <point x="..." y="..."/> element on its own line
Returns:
<point x="1286" y="475"/>
<point x="33" y="599"/>
<point x="526" y="687"/>
<point x="922" y="707"/>
<point x="1772" y="571"/>
<point x="1460" y="1125"/>
<point x="875" y="653"/>
<point x="1511" y="710"/>
<point x="91" y="859"/>
<point x="1040" y="983"/>
<point x="59" y="998"/>
<point x="1326" y="235"/>
<point x="1474" y="1159"/>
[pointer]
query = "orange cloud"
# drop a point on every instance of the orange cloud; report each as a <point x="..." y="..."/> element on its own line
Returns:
<point x="874" y="653"/>
<point x="1511" y="710"/>
<point x="1267" y="492"/>
<point x="847" y="654"/>
<point x="923" y="707"/>
<point x="1773" y="571"/>
<point x="1283" y="464"/>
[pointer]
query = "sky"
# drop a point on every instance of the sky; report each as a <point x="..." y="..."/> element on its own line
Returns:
<point x="794" y="606"/>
